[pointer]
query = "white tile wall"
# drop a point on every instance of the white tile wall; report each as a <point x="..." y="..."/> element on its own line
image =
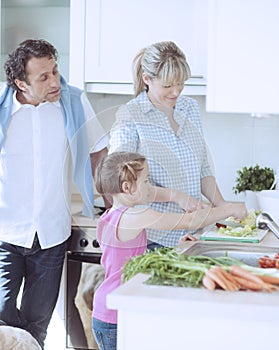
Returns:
<point x="234" y="140"/>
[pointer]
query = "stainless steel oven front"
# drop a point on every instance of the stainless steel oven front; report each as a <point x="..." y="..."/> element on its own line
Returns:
<point x="83" y="276"/>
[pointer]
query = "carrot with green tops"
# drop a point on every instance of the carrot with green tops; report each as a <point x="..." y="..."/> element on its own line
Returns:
<point x="229" y="277"/>
<point x="246" y="283"/>
<point x="208" y="283"/>
<point x="216" y="273"/>
<point x="256" y="282"/>
<point x="270" y="279"/>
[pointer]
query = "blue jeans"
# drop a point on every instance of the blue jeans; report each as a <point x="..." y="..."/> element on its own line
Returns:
<point x="40" y="270"/>
<point x="105" y="334"/>
<point x="153" y="245"/>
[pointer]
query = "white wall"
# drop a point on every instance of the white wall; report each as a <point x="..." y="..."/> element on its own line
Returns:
<point x="234" y="140"/>
<point x="51" y="23"/>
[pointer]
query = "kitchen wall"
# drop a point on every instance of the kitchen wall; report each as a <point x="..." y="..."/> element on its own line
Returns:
<point x="40" y="19"/>
<point x="234" y="140"/>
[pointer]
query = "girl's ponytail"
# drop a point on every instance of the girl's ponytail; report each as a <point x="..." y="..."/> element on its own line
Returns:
<point x="139" y="84"/>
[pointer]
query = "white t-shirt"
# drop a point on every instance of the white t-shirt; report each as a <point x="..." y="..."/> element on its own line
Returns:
<point x="35" y="194"/>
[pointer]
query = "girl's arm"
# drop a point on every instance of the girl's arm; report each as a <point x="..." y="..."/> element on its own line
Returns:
<point x="184" y="200"/>
<point x="134" y="220"/>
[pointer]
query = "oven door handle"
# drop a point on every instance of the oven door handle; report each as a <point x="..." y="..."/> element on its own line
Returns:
<point x="94" y="258"/>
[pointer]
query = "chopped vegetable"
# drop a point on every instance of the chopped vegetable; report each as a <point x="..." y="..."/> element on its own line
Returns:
<point x="246" y="229"/>
<point x="250" y="218"/>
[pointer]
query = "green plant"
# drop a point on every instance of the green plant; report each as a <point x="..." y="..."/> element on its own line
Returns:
<point x="254" y="179"/>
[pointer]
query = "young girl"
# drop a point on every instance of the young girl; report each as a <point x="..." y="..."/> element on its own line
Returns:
<point x="121" y="229"/>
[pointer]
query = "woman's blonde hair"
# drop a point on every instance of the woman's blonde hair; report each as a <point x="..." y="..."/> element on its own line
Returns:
<point x="163" y="60"/>
<point x="116" y="168"/>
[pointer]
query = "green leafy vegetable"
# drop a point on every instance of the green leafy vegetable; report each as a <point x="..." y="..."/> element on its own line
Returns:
<point x="166" y="267"/>
<point x="248" y="230"/>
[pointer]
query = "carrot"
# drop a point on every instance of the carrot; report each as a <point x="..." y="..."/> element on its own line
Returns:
<point x="217" y="276"/>
<point x="256" y="283"/>
<point x="270" y="279"/>
<point x="228" y="277"/>
<point x="248" y="284"/>
<point x="233" y="285"/>
<point x="240" y="272"/>
<point x="208" y="283"/>
<point x="270" y="287"/>
<point x="217" y="279"/>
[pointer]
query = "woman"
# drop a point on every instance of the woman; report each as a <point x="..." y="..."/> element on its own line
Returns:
<point x="166" y="128"/>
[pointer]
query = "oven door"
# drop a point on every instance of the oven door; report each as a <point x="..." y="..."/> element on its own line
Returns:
<point x="84" y="275"/>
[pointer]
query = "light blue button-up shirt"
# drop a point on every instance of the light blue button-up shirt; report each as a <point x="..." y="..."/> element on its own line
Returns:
<point x="176" y="160"/>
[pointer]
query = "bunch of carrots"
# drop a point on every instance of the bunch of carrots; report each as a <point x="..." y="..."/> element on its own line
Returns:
<point x="166" y="267"/>
<point x="237" y="278"/>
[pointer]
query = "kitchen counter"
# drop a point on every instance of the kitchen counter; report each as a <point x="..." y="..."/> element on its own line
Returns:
<point x="76" y="210"/>
<point x="163" y="317"/>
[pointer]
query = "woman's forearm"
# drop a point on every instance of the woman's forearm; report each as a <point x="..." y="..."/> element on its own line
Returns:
<point x="210" y="190"/>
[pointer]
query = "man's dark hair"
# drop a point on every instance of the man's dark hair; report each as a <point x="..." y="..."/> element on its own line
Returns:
<point x="15" y="66"/>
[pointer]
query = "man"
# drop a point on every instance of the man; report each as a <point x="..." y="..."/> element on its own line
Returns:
<point x="47" y="130"/>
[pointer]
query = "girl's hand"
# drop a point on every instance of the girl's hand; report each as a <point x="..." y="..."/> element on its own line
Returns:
<point x="238" y="210"/>
<point x="188" y="203"/>
<point x="184" y="200"/>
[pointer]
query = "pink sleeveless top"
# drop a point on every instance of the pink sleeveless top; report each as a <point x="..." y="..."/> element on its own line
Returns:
<point x="114" y="254"/>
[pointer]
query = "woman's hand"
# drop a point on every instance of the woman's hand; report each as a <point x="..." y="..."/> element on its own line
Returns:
<point x="187" y="237"/>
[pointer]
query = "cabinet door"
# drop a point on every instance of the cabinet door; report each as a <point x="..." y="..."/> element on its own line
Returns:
<point x="117" y="30"/>
<point x="243" y="56"/>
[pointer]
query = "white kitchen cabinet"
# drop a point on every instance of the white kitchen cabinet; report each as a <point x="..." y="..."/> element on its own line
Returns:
<point x="115" y="31"/>
<point x="243" y="56"/>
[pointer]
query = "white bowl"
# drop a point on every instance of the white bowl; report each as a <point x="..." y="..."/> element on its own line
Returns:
<point x="269" y="203"/>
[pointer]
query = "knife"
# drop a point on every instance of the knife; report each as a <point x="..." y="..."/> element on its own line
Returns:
<point x="228" y="223"/>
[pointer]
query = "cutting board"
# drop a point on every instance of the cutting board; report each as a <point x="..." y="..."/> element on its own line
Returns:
<point x="215" y="235"/>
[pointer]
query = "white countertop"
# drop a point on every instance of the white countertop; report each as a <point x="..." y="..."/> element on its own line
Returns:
<point x="165" y="317"/>
<point x="183" y="299"/>
<point x="135" y="288"/>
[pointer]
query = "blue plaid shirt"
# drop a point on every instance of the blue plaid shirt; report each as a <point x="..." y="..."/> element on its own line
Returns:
<point x="176" y="160"/>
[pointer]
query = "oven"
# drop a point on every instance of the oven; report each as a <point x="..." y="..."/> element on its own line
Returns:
<point x="83" y="276"/>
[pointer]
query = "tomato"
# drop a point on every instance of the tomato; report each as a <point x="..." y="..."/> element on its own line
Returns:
<point x="262" y="262"/>
<point x="267" y="262"/>
<point x="270" y="263"/>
